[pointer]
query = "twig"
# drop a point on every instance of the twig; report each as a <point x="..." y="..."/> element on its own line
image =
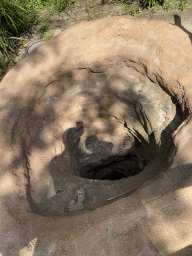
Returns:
<point x="122" y="194"/>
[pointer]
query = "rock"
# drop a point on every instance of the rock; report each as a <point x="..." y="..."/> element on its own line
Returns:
<point x="34" y="46"/>
<point x="95" y="142"/>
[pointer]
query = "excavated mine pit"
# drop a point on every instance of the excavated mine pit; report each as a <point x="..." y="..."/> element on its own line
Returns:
<point x="121" y="136"/>
<point x="102" y="123"/>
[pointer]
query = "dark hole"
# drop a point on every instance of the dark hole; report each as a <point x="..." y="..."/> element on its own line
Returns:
<point x="114" y="176"/>
<point x="114" y="168"/>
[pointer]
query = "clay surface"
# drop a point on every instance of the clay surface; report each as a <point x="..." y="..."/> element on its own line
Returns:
<point x="95" y="142"/>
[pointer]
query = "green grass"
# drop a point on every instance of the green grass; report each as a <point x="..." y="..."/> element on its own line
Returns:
<point x="19" y="16"/>
<point x="139" y="5"/>
<point x="48" y="35"/>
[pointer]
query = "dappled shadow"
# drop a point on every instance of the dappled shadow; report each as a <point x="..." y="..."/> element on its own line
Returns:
<point x="112" y="106"/>
<point x="27" y="133"/>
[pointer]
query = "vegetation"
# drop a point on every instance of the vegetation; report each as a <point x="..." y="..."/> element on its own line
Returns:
<point x="18" y="17"/>
<point x="167" y="4"/>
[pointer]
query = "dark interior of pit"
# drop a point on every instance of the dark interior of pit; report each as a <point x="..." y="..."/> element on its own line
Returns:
<point x="116" y="168"/>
